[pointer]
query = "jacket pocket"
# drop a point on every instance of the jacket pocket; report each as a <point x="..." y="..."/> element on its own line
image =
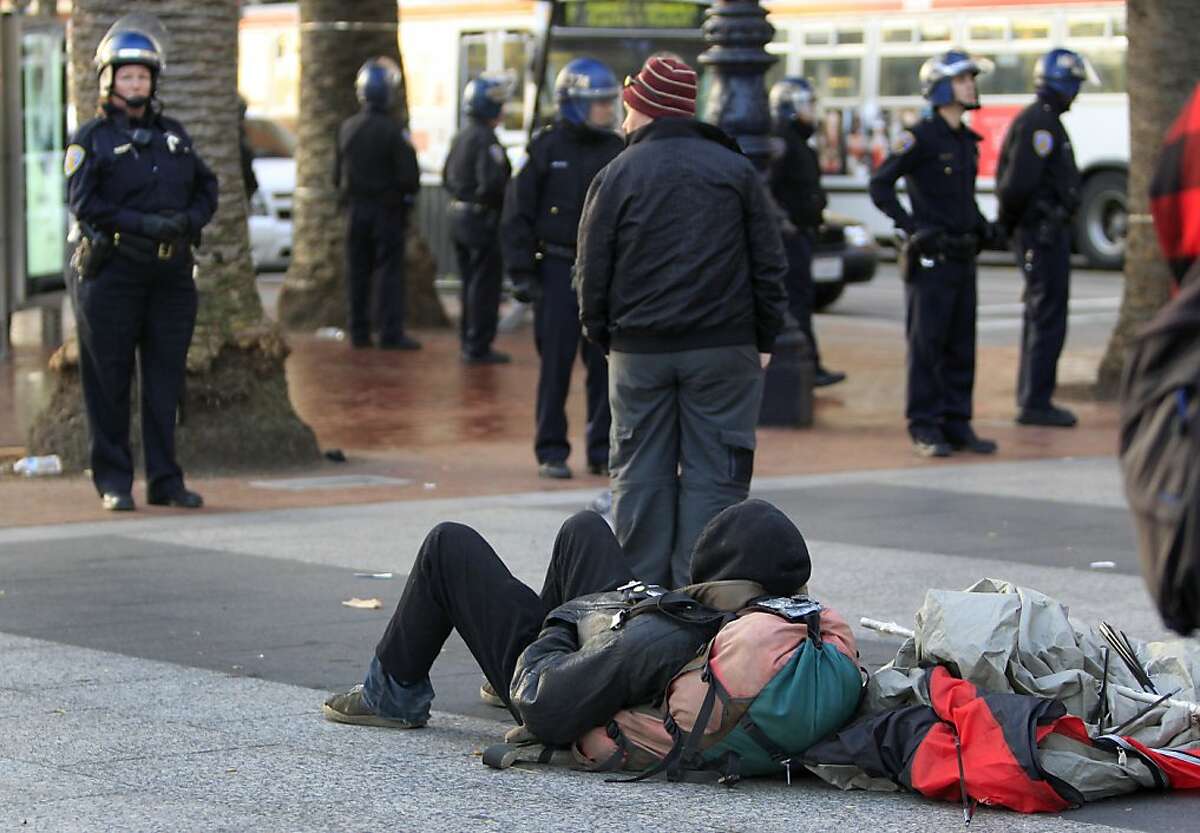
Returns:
<point x="740" y="447"/>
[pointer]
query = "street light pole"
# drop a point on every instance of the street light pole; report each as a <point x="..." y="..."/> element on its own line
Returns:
<point x="737" y="32"/>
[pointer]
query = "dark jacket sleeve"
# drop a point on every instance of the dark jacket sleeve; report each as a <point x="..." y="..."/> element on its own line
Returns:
<point x="1022" y="172"/>
<point x="518" y="236"/>
<point x="491" y="175"/>
<point x="883" y="185"/>
<point x="83" y="191"/>
<point x="407" y="168"/>
<point x="595" y="256"/>
<point x="768" y="263"/>
<point x="562" y="689"/>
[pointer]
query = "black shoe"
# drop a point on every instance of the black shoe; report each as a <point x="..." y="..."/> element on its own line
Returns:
<point x="962" y="437"/>
<point x="555" y="470"/>
<point x="183" y="498"/>
<point x="490" y="357"/>
<point x="930" y="442"/>
<point x="599" y="469"/>
<point x="402" y="343"/>
<point x="825" y="378"/>
<point x="117" y="501"/>
<point x="1052" y="416"/>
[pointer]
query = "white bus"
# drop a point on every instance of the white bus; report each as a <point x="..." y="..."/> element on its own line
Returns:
<point x="862" y="54"/>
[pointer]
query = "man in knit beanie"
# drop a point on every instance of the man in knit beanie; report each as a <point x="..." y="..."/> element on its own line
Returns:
<point x="680" y="278"/>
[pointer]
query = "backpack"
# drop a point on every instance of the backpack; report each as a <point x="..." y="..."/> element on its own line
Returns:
<point x="800" y="690"/>
<point x="1160" y="455"/>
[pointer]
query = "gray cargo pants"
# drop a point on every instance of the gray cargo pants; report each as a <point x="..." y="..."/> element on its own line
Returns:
<point x="682" y="449"/>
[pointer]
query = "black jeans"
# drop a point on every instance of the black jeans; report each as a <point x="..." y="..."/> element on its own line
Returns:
<point x="940" y="325"/>
<point x="459" y="583"/>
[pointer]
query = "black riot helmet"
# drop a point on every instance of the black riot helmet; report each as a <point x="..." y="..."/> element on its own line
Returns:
<point x="377" y="82"/>
<point x="134" y="39"/>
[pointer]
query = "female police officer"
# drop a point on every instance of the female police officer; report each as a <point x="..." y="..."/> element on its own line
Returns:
<point x="141" y="195"/>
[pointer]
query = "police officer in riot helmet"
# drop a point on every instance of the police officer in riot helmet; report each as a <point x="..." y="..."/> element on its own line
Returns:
<point x="795" y="179"/>
<point x="938" y="158"/>
<point x="476" y="175"/>
<point x="140" y="194"/>
<point x="377" y="175"/>
<point x="1037" y="185"/>
<point x="541" y="219"/>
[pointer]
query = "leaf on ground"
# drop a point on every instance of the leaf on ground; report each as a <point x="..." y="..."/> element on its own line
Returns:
<point x="363" y="604"/>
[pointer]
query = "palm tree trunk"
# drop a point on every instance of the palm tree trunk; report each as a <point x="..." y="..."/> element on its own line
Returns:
<point x="336" y="37"/>
<point x="1163" y="66"/>
<point x="236" y="405"/>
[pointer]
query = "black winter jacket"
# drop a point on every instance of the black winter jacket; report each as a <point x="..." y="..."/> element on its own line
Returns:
<point x="679" y="247"/>
<point x="795" y="177"/>
<point x="375" y="161"/>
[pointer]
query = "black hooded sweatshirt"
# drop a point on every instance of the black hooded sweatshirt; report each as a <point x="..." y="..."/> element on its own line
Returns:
<point x="581" y="671"/>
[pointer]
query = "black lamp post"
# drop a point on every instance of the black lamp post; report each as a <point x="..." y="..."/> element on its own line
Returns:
<point x="737" y="32"/>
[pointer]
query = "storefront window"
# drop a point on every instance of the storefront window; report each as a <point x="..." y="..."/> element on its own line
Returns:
<point x="835" y="77"/>
<point x="43" y="66"/>
<point x="898" y="75"/>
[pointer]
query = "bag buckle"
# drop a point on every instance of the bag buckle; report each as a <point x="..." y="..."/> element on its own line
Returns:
<point x="166" y="251"/>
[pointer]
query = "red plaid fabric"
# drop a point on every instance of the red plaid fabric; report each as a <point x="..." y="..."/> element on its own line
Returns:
<point x="1175" y="190"/>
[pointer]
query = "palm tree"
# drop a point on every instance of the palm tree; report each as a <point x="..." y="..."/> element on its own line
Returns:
<point x="1163" y="67"/>
<point x="336" y="37"/>
<point x="237" y="405"/>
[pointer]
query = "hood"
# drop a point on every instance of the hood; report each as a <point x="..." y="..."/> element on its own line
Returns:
<point x="752" y="541"/>
<point x="1175" y="190"/>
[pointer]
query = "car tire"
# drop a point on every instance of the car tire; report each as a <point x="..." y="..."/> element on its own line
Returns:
<point x="1102" y="219"/>
<point x="824" y="294"/>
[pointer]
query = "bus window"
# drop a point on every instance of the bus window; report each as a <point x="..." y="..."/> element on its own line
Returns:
<point x="897" y="34"/>
<point x="1110" y="65"/>
<point x="834" y="77"/>
<point x="898" y="74"/>
<point x="934" y="31"/>
<point x="987" y="30"/>
<point x="1118" y="27"/>
<point x="1012" y="74"/>
<point x="474" y="56"/>
<point x="845" y="36"/>
<point x="818" y="37"/>
<point x="1030" y="29"/>
<point x="1086" y="27"/>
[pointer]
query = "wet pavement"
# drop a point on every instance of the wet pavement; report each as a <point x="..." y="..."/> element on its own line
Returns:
<point x="447" y="430"/>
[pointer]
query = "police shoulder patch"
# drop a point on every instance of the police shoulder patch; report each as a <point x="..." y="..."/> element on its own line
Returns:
<point x="1043" y="142"/>
<point x="904" y="142"/>
<point x="497" y="153"/>
<point x="73" y="159"/>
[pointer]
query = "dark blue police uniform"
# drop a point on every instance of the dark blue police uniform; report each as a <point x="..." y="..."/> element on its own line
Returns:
<point x="1037" y="184"/>
<point x="939" y="164"/>
<point x="476" y="174"/>
<point x="541" y="220"/>
<point x="142" y="302"/>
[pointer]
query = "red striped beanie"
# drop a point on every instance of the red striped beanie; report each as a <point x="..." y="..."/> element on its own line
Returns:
<point x="664" y="87"/>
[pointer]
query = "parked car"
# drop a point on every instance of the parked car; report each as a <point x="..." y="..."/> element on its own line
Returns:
<point x="844" y="253"/>
<point x="274" y="149"/>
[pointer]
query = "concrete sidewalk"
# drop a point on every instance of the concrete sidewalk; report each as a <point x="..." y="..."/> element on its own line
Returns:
<point x="165" y="672"/>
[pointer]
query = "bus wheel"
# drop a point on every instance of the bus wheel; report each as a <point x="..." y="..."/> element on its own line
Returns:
<point x="1103" y="219"/>
<point x="824" y="294"/>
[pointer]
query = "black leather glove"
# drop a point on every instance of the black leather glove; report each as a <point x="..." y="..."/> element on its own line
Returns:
<point x="185" y="224"/>
<point x="525" y="287"/>
<point x="163" y="227"/>
<point x="928" y="242"/>
<point x="995" y="236"/>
